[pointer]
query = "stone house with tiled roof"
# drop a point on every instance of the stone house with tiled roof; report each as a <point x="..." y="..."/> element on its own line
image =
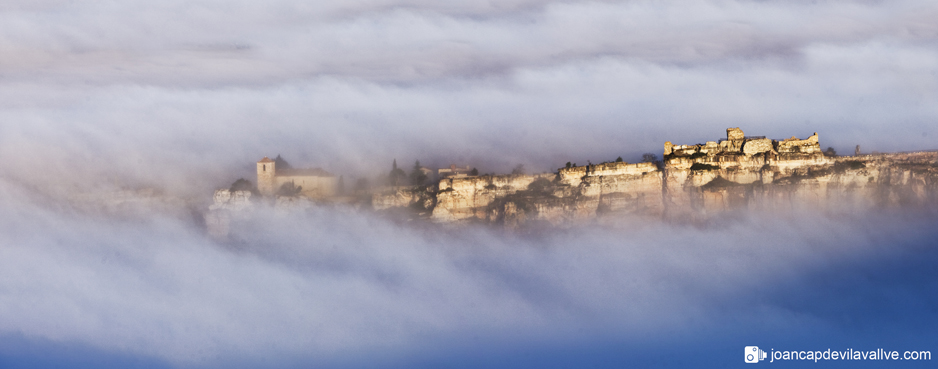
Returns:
<point x="313" y="182"/>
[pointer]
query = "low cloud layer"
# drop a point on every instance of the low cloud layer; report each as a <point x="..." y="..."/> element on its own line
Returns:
<point x="184" y="96"/>
<point x="331" y="287"/>
<point x="152" y="93"/>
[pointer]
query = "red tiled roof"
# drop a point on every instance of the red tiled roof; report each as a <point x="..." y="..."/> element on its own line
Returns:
<point x="266" y="160"/>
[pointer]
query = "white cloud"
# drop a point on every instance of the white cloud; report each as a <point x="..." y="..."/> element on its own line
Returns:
<point x="185" y="96"/>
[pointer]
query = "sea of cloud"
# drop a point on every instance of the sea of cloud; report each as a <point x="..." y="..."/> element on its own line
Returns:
<point x="153" y="93"/>
<point x="184" y="96"/>
<point x="344" y="288"/>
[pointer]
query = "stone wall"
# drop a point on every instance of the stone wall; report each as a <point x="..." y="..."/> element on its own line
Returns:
<point x="795" y="145"/>
<point x="313" y="187"/>
<point x="757" y="146"/>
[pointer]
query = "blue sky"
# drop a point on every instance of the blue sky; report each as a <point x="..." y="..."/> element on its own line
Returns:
<point x="184" y="96"/>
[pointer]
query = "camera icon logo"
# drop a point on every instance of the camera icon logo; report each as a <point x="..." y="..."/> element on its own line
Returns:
<point x="753" y="354"/>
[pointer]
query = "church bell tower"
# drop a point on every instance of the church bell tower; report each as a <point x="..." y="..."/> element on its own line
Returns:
<point x="266" y="170"/>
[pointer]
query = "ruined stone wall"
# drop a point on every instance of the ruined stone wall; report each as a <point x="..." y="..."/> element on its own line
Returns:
<point x="757" y="146"/>
<point x="795" y="145"/>
<point x="231" y="200"/>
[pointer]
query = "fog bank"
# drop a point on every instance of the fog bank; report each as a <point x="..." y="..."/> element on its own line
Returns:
<point x="179" y="98"/>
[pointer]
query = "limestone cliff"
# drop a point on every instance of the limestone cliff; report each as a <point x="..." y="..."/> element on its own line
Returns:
<point x="692" y="182"/>
<point x="573" y="193"/>
<point x="475" y="196"/>
<point x="756" y="173"/>
<point x="696" y="182"/>
<point x="847" y="184"/>
<point x="229" y="207"/>
<point x="231" y="200"/>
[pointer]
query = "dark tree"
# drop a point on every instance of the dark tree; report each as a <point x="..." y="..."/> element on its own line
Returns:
<point x="289" y="189"/>
<point x="569" y="165"/>
<point x="244" y="185"/>
<point x="649" y="157"/>
<point x="241" y="185"/>
<point x="281" y="163"/>
<point x="518" y="169"/>
<point x="830" y="152"/>
<point x="397" y="175"/>
<point x="417" y="176"/>
<point x="474" y="172"/>
<point x="619" y="159"/>
<point x="540" y="186"/>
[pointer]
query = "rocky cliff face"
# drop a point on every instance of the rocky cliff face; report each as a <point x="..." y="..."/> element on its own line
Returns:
<point x="225" y="206"/>
<point x="843" y="184"/>
<point x="475" y="197"/>
<point x="697" y="182"/>
<point x="403" y="197"/>
<point x="691" y="182"/>
<point x="756" y="173"/>
<point x="572" y="194"/>
<point x="231" y="200"/>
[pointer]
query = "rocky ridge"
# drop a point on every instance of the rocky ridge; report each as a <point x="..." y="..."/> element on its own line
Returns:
<point x="691" y="182"/>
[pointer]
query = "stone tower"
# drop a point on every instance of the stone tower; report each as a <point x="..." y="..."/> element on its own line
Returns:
<point x="266" y="170"/>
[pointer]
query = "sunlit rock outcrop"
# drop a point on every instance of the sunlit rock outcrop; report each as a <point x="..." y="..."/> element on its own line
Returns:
<point x="475" y="196"/>
<point x="692" y="182"/>
<point x="702" y="180"/>
<point x="402" y="197"/>
<point x="573" y="193"/>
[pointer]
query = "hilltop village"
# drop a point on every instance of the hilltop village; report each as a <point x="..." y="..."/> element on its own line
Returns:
<point x="689" y="182"/>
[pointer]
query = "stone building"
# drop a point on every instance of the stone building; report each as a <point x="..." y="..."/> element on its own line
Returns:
<point x="313" y="183"/>
<point x="454" y="171"/>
